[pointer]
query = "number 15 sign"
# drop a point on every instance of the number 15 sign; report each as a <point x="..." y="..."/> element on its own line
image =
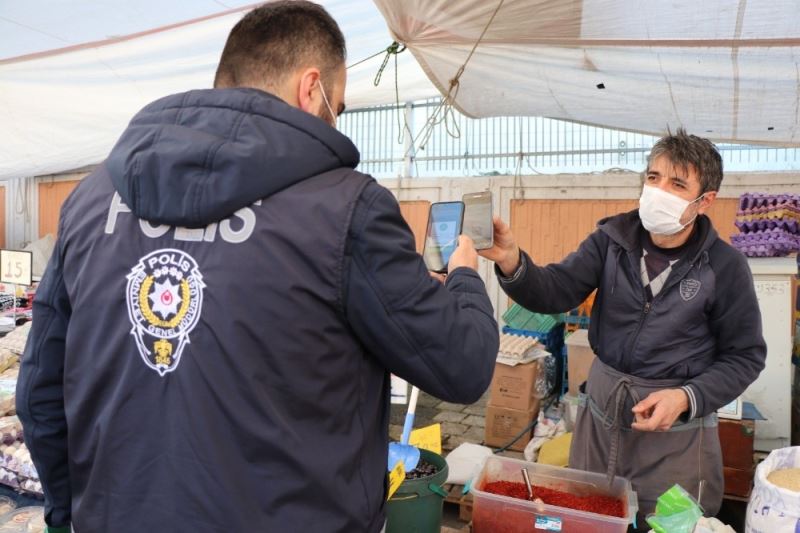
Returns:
<point x="16" y="267"/>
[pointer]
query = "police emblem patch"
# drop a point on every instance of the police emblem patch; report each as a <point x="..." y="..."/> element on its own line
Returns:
<point x="689" y="289"/>
<point x="165" y="298"/>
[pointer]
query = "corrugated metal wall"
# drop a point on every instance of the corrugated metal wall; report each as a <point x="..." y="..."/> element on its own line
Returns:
<point x="416" y="215"/>
<point x="550" y="229"/>
<point x="547" y="229"/>
<point x="51" y="195"/>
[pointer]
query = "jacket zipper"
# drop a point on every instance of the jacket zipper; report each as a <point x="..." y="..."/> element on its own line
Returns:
<point x="642" y="318"/>
<point x="646" y="310"/>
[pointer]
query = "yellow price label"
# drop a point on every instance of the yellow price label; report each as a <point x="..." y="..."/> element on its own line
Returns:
<point x="427" y="438"/>
<point x="396" y="477"/>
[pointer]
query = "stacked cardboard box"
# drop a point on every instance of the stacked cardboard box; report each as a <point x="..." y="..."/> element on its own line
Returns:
<point x="512" y="404"/>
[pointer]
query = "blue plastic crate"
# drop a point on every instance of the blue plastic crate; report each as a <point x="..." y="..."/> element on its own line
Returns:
<point x="581" y="321"/>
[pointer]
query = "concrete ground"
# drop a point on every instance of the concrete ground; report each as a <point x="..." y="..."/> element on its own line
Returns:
<point x="460" y="423"/>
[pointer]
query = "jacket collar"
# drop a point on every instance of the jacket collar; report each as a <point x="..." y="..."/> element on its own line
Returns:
<point x="625" y="228"/>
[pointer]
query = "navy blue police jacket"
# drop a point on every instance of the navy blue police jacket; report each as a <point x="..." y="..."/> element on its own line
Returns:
<point x="213" y="336"/>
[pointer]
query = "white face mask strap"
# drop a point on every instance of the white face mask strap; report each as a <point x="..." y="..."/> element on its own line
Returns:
<point x="327" y="104"/>
<point x="696" y="214"/>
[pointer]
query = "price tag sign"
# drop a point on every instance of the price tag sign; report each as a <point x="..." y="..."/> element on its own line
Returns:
<point x="428" y="438"/>
<point x="396" y="477"/>
<point x="16" y="267"/>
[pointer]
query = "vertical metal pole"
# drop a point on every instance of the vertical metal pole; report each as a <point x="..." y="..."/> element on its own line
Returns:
<point x="20" y="215"/>
<point x="14" y="303"/>
<point x="408" y="147"/>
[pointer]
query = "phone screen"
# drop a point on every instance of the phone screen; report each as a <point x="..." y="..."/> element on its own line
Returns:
<point x="441" y="239"/>
<point x="478" y="219"/>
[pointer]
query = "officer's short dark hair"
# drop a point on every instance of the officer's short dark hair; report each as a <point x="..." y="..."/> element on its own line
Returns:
<point x="277" y="38"/>
<point x="683" y="150"/>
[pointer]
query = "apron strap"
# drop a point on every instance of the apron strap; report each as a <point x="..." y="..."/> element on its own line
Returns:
<point x="622" y="389"/>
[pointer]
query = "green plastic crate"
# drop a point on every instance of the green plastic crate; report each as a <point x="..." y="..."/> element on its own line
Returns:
<point x="517" y="317"/>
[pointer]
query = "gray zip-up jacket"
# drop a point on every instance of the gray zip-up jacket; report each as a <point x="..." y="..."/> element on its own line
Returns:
<point x="704" y="326"/>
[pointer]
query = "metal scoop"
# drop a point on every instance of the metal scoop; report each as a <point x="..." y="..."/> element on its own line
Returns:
<point x="527" y="483"/>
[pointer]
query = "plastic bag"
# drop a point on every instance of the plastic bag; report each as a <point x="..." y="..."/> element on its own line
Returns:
<point x="773" y="508"/>
<point x="546" y="377"/>
<point x="546" y="429"/>
<point x="10" y="430"/>
<point x="7" y="359"/>
<point x="676" y="512"/>
<point x="465" y="462"/>
<point x="712" y="525"/>
<point x="15" y="341"/>
<point x="8" y="396"/>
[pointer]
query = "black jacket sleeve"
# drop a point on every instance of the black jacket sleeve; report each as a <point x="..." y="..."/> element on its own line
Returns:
<point x="442" y="338"/>
<point x="40" y="392"/>
<point x="736" y="323"/>
<point x="558" y="287"/>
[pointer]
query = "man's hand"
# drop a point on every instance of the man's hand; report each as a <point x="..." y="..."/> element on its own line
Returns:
<point x="464" y="255"/>
<point x="660" y="410"/>
<point x="441" y="278"/>
<point x="504" y="252"/>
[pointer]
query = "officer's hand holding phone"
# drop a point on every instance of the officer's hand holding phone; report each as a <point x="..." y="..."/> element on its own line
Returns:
<point x="464" y="255"/>
<point x="441" y="239"/>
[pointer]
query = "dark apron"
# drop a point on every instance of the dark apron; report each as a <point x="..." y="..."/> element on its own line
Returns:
<point x="688" y="453"/>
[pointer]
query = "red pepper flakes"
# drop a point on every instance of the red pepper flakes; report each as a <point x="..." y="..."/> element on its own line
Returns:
<point x="493" y="518"/>
<point x="594" y="503"/>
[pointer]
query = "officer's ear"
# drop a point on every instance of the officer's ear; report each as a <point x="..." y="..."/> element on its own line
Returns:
<point x="309" y="98"/>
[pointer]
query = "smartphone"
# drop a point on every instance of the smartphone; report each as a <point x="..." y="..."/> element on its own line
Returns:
<point x="478" y="223"/>
<point x="441" y="239"/>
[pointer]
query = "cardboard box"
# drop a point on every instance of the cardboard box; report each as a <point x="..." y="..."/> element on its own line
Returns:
<point x="738" y="482"/>
<point x="579" y="359"/>
<point x="512" y="386"/>
<point x="736" y="438"/>
<point x="504" y="424"/>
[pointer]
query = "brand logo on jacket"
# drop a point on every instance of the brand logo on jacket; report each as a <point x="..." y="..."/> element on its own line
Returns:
<point x="165" y="298"/>
<point x="689" y="289"/>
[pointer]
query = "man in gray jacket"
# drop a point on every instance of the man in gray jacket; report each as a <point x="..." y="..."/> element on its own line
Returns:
<point x="675" y="325"/>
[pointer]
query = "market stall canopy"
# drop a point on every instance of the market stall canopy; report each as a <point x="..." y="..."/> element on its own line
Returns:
<point x="72" y="74"/>
<point x="724" y="69"/>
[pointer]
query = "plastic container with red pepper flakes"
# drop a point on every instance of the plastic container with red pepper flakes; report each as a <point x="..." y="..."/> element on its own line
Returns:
<point x="565" y="500"/>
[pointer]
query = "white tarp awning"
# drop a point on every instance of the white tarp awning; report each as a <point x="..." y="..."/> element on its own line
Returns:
<point x="726" y="69"/>
<point x="72" y="74"/>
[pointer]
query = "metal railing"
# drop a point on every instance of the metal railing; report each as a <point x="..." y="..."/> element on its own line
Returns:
<point x="511" y="145"/>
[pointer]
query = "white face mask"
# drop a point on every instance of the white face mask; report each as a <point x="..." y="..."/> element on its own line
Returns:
<point x="327" y="104"/>
<point x="661" y="211"/>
